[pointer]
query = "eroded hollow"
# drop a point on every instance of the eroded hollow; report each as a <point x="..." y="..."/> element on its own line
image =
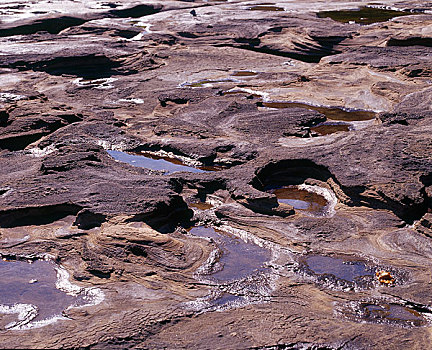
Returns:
<point x="266" y="8"/>
<point x="405" y="314"/>
<point x="338" y="270"/>
<point x="348" y="272"/>
<point x="237" y="268"/>
<point x="237" y="259"/>
<point x="136" y="11"/>
<point x="152" y="161"/>
<point x="205" y="83"/>
<point x="363" y="15"/>
<point x="35" y="293"/>
<point x="287" y="173"/>
<point x="411" y="41"/>
<point x="36" y="215"/>
<point x="244" y="73"/>
<point x="331" y="113"/>
<point x="166" y="216"/>
<point x="328" y="128"/>
<point x="50" y="25"/>
<point x="301" y="199"/>
<point x="89" y="66"/>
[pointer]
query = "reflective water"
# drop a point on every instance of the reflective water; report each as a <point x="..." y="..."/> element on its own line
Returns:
<point x="205" y="83"/>
<point x="200" y="205"/>
<point x="35" y="284"/>
<point x="154" y="163"/>
<point x="300" y="199"/>
<point x="363" y="15"/>
<point x="392" y="313"/>
<point x="266" y="8"/>
<point x="328" y="128"/>
<point x="332" y="113"/>
<point x="344" y="269"/>
<point x="244" y="73"/>
<point x="238" y="259"/>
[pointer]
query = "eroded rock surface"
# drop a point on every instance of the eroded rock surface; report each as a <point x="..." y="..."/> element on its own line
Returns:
<point x="295" y="135"/>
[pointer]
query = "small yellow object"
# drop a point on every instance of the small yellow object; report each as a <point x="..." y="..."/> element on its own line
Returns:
<point x="385" y="277"/>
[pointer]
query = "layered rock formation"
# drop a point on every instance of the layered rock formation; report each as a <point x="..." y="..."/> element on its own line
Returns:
<point x="330" y="107"/>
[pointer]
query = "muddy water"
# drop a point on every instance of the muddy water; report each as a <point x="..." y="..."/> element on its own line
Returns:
<point x="244" y="73"/>
<point x="328" y="128"/>
<point x="238" y="259"/>
<point x="391" y="313"/>
<point x="343" y="269"/>
<point x="200" y="205"/>
<point x="300" y="199"/>
<point x="332" y="113"/>
<point x="168" y="165"/>
<point x="395" y="313"/>
<point x="266" y="8"/>
<point x="35" y="284"/>
<point x="364" y="15"/>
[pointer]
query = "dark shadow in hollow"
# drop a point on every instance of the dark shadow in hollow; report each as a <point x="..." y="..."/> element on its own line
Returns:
<point x="50" y="25"/>
<point x="42" y="215"/>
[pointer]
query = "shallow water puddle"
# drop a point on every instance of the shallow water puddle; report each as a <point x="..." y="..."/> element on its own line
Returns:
<point x="341" y="268"/>
<point x="205" y="83"/>
<point x="238" y="269"/>
<point x="301" y="199"/>
<point x="150" y="161"/>
<point x="237" y="259"/>
<point x="244" y="73"/>
<point x="404" y="314"/>
<point x="328" y="128"/>
<point x="266" y="8"/>
<point x="201" y="205"/>
<point x="332" y="113"/>
<point x="363" y="15"/>
<point x="36" y="293"/>
<point x="393" y="313"/>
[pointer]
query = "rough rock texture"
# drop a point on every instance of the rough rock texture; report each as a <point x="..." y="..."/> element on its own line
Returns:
<point x="187" y="80"/>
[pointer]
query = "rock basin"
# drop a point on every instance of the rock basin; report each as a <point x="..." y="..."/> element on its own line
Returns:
<point x="364" y="15"/>
<point x="37" y="293"/>
<point x="153" y="163"/>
